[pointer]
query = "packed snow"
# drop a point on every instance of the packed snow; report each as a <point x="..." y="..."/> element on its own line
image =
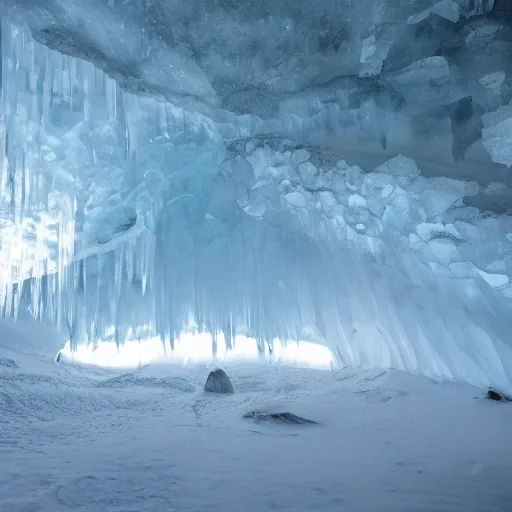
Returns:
<point x="148" y="438"/>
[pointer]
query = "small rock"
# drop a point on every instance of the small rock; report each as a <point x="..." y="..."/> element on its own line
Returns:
<point x="218" y="382"/>
<point x="497" y="397"/>
<point x="278" y="417"/>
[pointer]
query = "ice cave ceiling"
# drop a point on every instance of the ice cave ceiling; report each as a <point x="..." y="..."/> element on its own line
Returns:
<point x="336" y="170"/>
<point x="415" y="75"/>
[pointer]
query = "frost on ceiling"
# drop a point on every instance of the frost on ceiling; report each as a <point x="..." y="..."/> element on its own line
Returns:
<point x="410" y="74"/>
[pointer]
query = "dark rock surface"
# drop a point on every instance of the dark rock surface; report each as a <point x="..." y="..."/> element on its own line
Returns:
<point x="497" y="397"/>
<point x="218" y="382"/>
<point x="278" y="417"/>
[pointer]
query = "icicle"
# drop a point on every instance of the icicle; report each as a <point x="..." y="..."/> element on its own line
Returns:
<point x="130" y="270"/>
<point x="131" y="110"/>
<point x="228" y="333"/>
<point x="214" y="334"/>
<point x="111" y="99"/>
<point x="118" y="272"/>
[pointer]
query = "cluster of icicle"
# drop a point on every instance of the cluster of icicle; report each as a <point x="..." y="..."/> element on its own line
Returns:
<point x="135" y="220"/>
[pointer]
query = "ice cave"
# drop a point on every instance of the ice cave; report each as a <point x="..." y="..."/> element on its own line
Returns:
<point x="314" y="196"/>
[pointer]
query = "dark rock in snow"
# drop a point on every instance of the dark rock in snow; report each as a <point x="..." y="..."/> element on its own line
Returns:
<point x="9" y="363"/>
<point x="218" y="382"/>
<point x="278" y="417"/>
<point x="497" y="397"/>
<point x="59" y="355"/>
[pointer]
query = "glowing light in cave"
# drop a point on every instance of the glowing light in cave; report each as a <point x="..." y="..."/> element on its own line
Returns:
<point x="196" y="348"/>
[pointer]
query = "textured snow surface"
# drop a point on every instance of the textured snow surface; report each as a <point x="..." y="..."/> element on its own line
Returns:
<point x="83" y="439"/>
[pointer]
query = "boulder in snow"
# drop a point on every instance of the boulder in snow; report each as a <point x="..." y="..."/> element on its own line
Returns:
<point x="218" y="382"/>
<point x="497" y="397"/>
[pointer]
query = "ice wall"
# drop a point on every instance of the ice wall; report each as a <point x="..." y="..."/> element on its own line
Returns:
<point x="83" y="164"/>
<point x="374" y="77"/>
<point x="127" y="217"/>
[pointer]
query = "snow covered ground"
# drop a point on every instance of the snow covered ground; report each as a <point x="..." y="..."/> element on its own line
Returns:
<point x="90" y="439"/>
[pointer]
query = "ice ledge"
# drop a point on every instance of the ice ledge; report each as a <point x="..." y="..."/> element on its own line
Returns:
<point x="391" y="210"/>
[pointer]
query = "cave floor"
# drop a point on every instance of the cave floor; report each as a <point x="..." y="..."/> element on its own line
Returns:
<point x="85" y="439"/>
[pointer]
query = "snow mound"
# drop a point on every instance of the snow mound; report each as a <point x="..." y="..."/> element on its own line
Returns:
<point x="132" y="379"/>
<point x="8" y="363"/>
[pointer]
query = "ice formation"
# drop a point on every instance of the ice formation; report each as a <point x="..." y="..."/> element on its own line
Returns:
<point x="347" y="187"/>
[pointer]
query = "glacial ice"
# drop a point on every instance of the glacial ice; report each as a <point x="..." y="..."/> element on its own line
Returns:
<point x="445" y="8"/>
<point x="273" y="199"/>
<point x="497" y="133"/>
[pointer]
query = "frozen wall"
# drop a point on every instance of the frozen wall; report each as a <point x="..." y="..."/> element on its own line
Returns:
<point x="124" y="216"/>
<point x="370" y="77"/>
